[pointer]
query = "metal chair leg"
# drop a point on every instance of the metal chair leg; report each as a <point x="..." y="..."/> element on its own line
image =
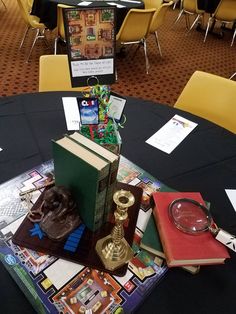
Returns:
<point x="158" y="43"/>
<point x="35" y="39"/>
<point x="40" y="34"/>
<point x="146" y="56"/>
<point x="55" y="45"/>
<point x="179" y="16"/>
<point x="174" y="6"/>
<point x="143" y="43"/>
<point x="24" y="36"/>
<point x="194" y="22"/>
<point x="232" y="42"/>
<point x="176" y="2"/>
<point x="207" y="29"/>
<point x="232" y="76"/>
<point x="43" y="36"/>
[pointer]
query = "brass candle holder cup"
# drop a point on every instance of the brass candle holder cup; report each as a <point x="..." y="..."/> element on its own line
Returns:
<point x="113" y="250"/>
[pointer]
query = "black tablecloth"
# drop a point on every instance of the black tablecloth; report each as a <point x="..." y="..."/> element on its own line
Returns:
<point x="46" y="10"/>
<point x="205" y="161"/>
<point x="208" y="5"/>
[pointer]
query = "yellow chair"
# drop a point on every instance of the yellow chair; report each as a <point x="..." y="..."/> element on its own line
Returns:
<point x="224" y="13"/>
<point x="158" y="20"/>
<point x="54" y="74"/>
<point x="33" y="23"/>
<point x="190" y="7"/>
<point x="211" y="97"/>
<point x="135" y="29"/>
<point x="152" y="4"/>
<point x="60" y="26"/>
<point x="4" y="4"/>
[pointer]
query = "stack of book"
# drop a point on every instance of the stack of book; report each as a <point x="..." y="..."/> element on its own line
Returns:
<point x="89" y="171"/>
<point x="164" y="240"/>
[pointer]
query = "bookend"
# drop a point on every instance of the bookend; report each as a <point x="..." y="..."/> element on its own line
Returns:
<point x="62" y="217"/>
<point x="79" y="245"/>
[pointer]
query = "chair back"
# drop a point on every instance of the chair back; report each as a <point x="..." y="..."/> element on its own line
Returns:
<point x="226" y="11"/>
<point x="54" y="74"/>
<point x="211" y="97"/>
<point x="159" y="16"/>
<point x="152" y="4"/>
<point x="135" y="25"/>
<point x="190" y="6"/>
<point x="25" y="9"/>
<point x="30" y="3"/>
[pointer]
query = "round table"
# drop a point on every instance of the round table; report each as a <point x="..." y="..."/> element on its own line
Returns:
<point x="205" y="162"/>
<point x="208" y="6"/>
<point x="46" y="10"/>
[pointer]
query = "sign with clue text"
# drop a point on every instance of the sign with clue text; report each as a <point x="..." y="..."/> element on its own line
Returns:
<point x="90" y="37"/>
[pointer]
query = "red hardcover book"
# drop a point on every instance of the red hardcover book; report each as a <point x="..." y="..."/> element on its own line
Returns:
<point x="181" y="248"/>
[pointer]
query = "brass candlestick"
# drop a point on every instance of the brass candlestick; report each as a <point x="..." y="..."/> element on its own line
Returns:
<point x="114" y="250"/>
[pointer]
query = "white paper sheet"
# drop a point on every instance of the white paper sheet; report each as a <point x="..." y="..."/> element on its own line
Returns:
<point x="71" y="110"/>
<point x="171" y="134"/>
<point x="116" y="4"/>
<point x="131" y="1"/>
<point x="84" y="3"/>
<point x="116" y="107"/>
<point x="232" y="197"/>
<point x="92" y="67"/>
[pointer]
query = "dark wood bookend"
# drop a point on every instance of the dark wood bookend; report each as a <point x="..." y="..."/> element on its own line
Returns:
<point x="79" y="246"/>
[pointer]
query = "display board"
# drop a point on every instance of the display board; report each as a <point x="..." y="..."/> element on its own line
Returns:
<point x="90" y="38"/>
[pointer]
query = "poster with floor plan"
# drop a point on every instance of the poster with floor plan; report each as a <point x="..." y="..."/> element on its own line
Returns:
<point x="90" y="38"/>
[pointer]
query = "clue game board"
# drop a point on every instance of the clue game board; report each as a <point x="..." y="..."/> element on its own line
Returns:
<point x="54" y="285"/>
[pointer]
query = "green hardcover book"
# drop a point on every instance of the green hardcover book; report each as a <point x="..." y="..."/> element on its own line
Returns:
<point x="86" y="175"/>
<point x="151" y="242"/>
<point x="114" y="165"/>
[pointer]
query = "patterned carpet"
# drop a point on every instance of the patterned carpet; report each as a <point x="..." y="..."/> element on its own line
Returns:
<point x="182" y="55"/>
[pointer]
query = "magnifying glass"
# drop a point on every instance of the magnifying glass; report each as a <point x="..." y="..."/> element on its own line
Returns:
<point x="193" y="217"/>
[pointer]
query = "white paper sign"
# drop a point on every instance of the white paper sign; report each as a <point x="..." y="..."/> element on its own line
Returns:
<point x="1" y="149"/>
<point x="116" y="4"/>
<point x="116" y="108"/>
<point x="171" y="134"/>
<point x="92" y="67"/>
<point x="232" y="196"/>
<point x="131" y="1"/>
<point x="71" y="110"/>
<point x="84" y="3"/>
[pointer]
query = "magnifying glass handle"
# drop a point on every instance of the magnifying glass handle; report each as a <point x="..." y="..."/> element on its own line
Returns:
<point x="226" y="238"/>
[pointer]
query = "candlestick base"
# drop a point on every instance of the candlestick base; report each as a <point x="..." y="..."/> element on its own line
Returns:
<point x="113" y="256"/>
<point x="113" y="250"/>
